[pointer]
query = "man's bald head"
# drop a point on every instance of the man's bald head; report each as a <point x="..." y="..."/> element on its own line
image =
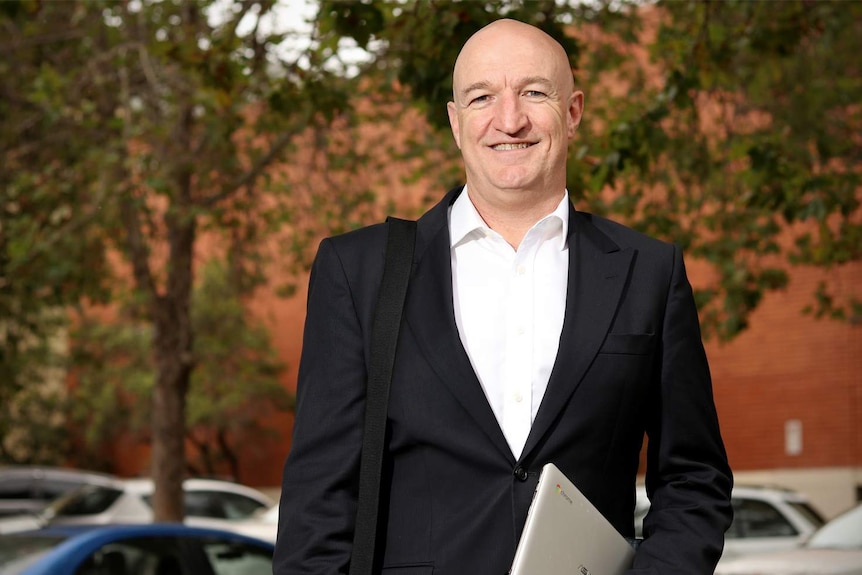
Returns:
<point x="506" y="36"/>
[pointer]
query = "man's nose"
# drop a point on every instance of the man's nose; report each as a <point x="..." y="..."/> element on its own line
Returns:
<point x="511" y="116"/>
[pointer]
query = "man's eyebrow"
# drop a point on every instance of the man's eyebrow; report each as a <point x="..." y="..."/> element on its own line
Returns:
<point x="475" y="86"/>
<point x="484" y="85"/>
<point x="537" y="80"/>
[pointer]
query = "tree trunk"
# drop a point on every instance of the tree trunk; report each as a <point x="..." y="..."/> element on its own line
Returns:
<point x="172" y="348"/>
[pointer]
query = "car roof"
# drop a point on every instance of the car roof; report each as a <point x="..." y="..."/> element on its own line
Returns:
<point x="40" y="471"/>
<point x="146" y="485"/>
<point x="107" y="532"/>
<point x="779" y="491"/>
<point x="142" y="485"/>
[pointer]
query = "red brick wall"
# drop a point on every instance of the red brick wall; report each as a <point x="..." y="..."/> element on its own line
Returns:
<point x="788" y="366"/>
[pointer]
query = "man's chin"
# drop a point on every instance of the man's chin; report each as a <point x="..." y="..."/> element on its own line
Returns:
<point x="514" y="180"/>
<point x="517" y="185"/>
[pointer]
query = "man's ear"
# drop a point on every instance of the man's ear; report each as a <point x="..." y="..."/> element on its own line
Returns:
<point x="453" y="123"/>
<point x="575" y="112"/>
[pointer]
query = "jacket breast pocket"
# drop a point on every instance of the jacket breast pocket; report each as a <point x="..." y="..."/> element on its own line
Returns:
<point x="629" y="343"/>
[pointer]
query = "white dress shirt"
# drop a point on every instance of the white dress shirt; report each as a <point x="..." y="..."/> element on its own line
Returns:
<point x="509" y="307"/>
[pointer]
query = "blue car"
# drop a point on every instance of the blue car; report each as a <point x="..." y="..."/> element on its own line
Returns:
<point x="146" y="549"/>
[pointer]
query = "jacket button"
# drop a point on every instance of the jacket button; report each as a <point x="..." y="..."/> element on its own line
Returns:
<point x="520" y="473"/>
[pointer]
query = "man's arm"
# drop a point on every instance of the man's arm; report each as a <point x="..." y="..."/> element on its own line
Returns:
<point x="688" y="476"/>
<point x="318" y="498"/>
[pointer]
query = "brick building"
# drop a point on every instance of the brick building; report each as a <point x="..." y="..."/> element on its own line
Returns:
<point x="789" y="395"/>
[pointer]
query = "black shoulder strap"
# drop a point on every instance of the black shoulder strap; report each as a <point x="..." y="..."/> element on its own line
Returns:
<point x="384" y="339"/>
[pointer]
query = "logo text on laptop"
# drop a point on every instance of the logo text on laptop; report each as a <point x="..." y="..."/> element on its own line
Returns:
<point x="563" y="493"/>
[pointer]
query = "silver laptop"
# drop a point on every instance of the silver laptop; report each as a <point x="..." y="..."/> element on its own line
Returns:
<point x="566" y="535"/>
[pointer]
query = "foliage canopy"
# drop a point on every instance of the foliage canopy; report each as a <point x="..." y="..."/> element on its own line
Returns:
<point x="135" y="130"/>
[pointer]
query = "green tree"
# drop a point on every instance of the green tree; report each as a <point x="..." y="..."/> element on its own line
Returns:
<point x="735" y="135"/>
<point x="744" y="151"/>
<point x="146" y="126"/>
<point x="49" y="255"/>
<point x="234" y="388"/>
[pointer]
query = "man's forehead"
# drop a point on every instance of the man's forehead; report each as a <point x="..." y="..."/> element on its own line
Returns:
<point x="497" y="73"/>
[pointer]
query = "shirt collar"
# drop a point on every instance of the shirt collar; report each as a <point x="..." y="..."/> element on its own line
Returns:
<point x="466" y="224"/>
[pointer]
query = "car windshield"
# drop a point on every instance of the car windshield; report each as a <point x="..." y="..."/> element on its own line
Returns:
<point x="19" y="551"/>
<point x="843" y="532"/>
<point x="86" y="500"/>
<point x="808" y="512"/>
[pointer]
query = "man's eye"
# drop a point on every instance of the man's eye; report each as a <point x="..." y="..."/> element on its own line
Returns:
<point x="535" y="94"/>
<point x="480" y="99"/>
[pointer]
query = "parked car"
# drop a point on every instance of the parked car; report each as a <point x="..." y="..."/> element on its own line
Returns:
<point x="765" y="519"/>
<point x="128" y="501"/>
<point x="834" y="549"/>
<point x="263" y="524"/>
<point x="147" y="549"/>
<point x="27" y="489"/>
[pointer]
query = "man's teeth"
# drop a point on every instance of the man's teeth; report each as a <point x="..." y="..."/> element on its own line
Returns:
<point x="511" y="146"/>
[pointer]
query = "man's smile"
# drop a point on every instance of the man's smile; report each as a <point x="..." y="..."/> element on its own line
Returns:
<point x="502" y="147"/>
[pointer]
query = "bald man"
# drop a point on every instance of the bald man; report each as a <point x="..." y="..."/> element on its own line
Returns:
<point x="533" y="333"/>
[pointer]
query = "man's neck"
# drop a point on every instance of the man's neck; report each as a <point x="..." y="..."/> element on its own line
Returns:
<point x="513" y="214"/>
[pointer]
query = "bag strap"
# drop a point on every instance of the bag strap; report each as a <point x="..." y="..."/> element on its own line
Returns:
<point x="384" y="340"/>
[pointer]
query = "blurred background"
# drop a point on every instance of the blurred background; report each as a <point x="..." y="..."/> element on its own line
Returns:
<point x="167" y="169"/>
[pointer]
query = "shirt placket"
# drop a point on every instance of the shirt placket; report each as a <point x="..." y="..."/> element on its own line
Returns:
<point x="517" y="412"/>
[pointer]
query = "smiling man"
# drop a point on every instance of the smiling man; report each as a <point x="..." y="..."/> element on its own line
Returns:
<point x="533" y="333"/>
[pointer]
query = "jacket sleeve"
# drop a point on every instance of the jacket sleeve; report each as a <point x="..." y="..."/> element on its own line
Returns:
<point x="688" y="478"/>
<point x="319" y="485"/>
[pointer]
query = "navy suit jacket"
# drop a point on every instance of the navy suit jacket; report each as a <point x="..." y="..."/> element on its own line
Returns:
<point x="630" y="363"/>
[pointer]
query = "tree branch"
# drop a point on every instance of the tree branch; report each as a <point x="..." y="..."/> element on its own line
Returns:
<point x="136" y="246"/>
<point x="135" y="243"/>
<point x="257" y="169"/>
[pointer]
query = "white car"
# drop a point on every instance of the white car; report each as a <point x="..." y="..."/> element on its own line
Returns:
<point x="262" y="525"/>
<point x="764" y="519"/>
<point x="27" y="489"/>
<point x="128" y="501"/>
<point x="835" y="549"/>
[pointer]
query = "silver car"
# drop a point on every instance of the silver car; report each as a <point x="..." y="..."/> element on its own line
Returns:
<point x="835" y="549"/>
<point x="262" y="525"/>
<point x="764" y="519"/>
<point x="27" y="489"/>
<point x="128" y="501"/>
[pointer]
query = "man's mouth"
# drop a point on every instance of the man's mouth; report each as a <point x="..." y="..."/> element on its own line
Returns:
<point x="503" y="147"/>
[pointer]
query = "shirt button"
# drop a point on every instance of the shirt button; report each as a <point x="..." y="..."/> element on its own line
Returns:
<point x="518" y="397"/>
<point x="520" y="473"/>
<point x="520" y="331"/>
<point x="520" y="270"/>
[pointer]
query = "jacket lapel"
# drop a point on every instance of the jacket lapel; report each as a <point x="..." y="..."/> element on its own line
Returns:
<point x="430" y="317"/>
<point x="598" y="269"/>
